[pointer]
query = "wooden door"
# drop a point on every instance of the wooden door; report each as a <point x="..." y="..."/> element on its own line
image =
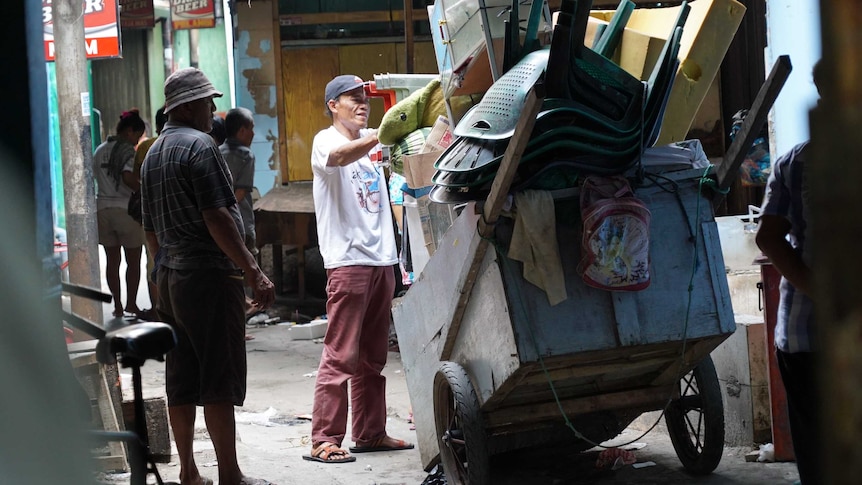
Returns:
<point x="305" y="73"/>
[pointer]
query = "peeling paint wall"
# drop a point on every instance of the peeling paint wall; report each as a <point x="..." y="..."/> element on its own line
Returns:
<point x="254" y="56"/>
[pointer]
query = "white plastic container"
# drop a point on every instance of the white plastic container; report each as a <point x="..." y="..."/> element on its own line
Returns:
<point x="308" y="331"/>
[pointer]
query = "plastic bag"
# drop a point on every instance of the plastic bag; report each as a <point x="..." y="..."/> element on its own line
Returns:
<point x="615" y="241"/>
<point x="755" y="168"/>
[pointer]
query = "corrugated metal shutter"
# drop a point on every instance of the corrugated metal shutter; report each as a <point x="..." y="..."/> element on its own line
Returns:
<point x="120" y="84"/>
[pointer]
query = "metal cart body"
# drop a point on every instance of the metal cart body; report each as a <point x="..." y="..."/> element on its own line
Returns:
<point x="617" y="352"/>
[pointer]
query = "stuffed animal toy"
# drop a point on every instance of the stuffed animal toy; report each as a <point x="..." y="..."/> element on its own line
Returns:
<point x="418" y="110"/>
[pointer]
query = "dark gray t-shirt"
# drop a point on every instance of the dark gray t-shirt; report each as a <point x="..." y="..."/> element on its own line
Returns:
<point x="183" y="174"/>
<point x="240" y="160"/>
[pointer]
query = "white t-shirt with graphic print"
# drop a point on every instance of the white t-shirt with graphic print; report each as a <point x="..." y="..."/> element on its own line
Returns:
<point x="351" y="203"/>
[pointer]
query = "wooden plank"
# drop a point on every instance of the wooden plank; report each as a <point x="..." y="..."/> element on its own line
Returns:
<point x="626" y="316"/>
<point x="717" y="271"/>
<point x="419" y="317"/>
<point x="111" y="463"/>
<point x="576" y="372"/>
<point x="350" y="17"/>
<point x="305" y="73"/>
<point x="281" y="114"/>
<point x="694" y="353"/>
<point x="424" y="59"/>
<point x="493" y="205"/>
<point x="638" y="398"/>
<point x="82" y="347"/>
<point x="108" y="413"/>
<point x="729" y="168"/>
<point x="366" y="60"/>
<point x="408" y="39"/>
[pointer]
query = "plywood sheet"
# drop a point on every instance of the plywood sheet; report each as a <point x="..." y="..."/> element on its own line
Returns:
<point x="365" y="61"/>
<point x="424" y="61"/>
<point x="305" y="73"/>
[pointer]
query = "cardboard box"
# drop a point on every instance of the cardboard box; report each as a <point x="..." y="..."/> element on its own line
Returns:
<point x="440" y="137"/>
<point x="418" y="169"/>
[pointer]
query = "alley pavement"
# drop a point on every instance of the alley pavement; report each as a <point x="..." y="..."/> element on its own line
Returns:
<point x="273" y="429"/>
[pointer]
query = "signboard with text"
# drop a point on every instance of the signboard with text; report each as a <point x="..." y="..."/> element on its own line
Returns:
<point x="137" y="14"/>
<point x="192" y="14"/>
<point x="101" y="32"/>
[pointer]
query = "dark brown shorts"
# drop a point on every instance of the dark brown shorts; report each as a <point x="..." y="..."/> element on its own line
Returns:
<point x="206" y="309"/>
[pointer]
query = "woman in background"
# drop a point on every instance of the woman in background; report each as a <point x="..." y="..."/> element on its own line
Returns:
<point x="113" y="166"/>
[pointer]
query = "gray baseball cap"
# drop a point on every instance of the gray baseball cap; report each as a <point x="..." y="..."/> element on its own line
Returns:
<point x="340" y="85"/>
<point x="187" y="85"/>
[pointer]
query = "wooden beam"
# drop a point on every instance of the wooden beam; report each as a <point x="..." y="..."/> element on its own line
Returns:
<point x="349" y="17"/>
<point x="638" y="398"/>
<point x="281" y="118"/>
<point x="729" y="168"/>
<point x="408" y="37"/>
<point x="493" y="206"/>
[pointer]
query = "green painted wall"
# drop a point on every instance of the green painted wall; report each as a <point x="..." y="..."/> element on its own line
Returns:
<point x="212" y="58"/>
<point x="156" y="69"/>
<point x="54" y="147"/>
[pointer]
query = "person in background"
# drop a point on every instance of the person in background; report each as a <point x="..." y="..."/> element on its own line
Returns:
<point x="190" y="212"/>
<point x="140" y="153"/>
<point x="357" y="243"/>
<point x="113" y="166"/>
<point x="218" y="131"/>
<point x="239" y="128"/>
<point x="782" y="236"/>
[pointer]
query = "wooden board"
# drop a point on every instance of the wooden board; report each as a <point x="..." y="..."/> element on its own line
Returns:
<point x="424" y="314"/>
<point x="628" y="341"/>
<point x="305" y="73"/>
<point x="335" y="17"/>
<point x="424" y="61"/>
<point x="366" y="60"/>
<point x="589" y="320"/>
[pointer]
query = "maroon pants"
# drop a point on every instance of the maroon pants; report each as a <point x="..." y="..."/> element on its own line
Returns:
<point x="355" y="348"/>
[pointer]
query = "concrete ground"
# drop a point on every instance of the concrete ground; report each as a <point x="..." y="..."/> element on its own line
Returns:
<point x="273" y="434"/>
<point x="273" y="431"/>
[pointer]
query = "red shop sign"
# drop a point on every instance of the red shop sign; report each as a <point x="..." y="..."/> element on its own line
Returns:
<point x="101" y="33"/>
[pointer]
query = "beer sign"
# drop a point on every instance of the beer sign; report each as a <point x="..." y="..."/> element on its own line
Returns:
<point x="137" y="14"/>
<point x="101" y="33"/>
<point x="192" y="14"/>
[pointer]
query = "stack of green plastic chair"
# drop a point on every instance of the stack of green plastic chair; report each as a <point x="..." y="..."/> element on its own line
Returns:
<point x="596" y="118"/>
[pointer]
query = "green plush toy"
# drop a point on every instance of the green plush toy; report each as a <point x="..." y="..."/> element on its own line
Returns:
<point x="418" y="110"/>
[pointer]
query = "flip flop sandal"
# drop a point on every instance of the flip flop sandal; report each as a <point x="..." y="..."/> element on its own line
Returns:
<point x="329" y="453"/>
<point x="377" y="445"/>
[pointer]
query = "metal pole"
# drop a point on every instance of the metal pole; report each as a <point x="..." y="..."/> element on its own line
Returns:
<point x="73" y="101"/>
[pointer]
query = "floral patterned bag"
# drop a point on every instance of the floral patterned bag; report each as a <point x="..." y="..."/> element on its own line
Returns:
<point x="615" y="241"/>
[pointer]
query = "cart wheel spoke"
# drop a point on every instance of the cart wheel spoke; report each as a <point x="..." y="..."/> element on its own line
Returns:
<point x="695" y="420"/>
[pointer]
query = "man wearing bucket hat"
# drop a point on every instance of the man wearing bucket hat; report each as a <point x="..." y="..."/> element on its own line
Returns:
<point x="357" y="243"/>
<point x="190" y="213"/>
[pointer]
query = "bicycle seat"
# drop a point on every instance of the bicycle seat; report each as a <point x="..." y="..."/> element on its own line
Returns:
<point x="139" y="342"/>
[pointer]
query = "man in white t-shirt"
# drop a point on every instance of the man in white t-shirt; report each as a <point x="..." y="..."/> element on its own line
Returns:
<point x="357" y="242"/>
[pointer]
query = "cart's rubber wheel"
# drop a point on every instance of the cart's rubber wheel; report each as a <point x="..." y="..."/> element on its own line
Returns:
<point x="460" y="428"/>
<point x="695" y="421"/>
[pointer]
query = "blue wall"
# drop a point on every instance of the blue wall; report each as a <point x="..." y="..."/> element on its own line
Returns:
<point x="793" y="28"/>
